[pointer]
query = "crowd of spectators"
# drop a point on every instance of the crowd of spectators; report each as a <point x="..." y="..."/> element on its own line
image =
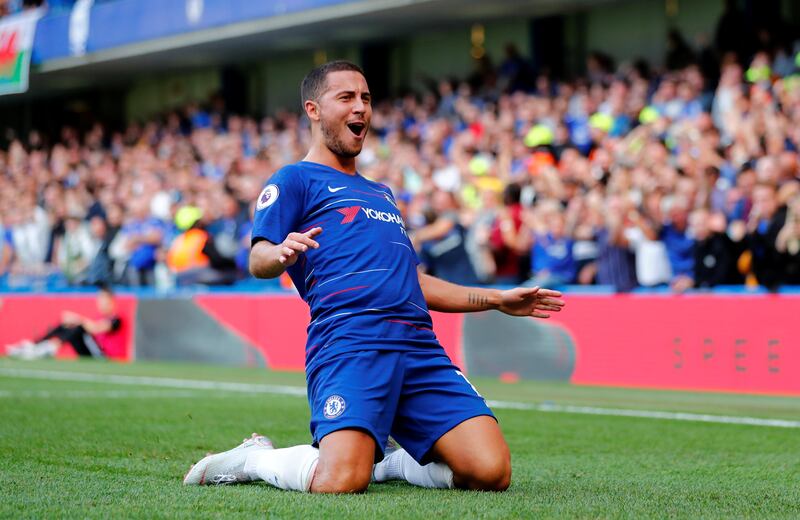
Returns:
<point x="624" y="178"/>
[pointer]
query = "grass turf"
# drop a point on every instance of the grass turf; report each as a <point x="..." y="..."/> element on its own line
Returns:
<point x="103" y="450"/>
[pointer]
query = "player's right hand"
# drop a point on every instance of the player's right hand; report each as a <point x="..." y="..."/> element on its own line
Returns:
<point x="297" y="244"/>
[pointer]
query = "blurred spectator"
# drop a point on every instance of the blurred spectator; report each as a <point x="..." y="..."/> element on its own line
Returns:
<point x="788" y="243"/>
<point x="30" y="236"/>
<point x="101" y="268"/>
<point x="225" y="228"/>
<point x="480" y="237"/>
<point x="76" y="249"/>
<point x="615" y="265"/>
<point x="652" y="260"/>
<point x="141" y="236"/>
<point x="88" y="337"/>
<point x="194" y="255"/>
<point x="715" y="254"/>
<point x="679" y="244"/>
<point x="764" y="223"/>
<point x="441" y="242"/>
<point x="552" y="262"/>
<point x="504" y="239"/>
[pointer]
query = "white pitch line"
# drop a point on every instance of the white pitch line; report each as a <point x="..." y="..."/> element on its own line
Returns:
<point x="254" y="388"/>
<point x="105" y="394"/>
<point x="168" y="382"/>
<point x="645" y="414"/>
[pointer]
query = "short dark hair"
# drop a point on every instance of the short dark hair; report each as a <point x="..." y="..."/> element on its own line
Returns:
<point x="314" y="82"/>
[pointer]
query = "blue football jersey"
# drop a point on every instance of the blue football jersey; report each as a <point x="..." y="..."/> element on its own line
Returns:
<point x="361" y="285"/>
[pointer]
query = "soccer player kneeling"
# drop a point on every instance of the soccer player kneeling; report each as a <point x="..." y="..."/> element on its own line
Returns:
<point x="374" y="366"/>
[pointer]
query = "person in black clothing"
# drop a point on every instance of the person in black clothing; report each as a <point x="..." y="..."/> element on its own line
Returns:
<point x="81" y="333"/>
<point x="764" y="223"/>
<point x="222" y="269"/>
<point x="788" y="243"/>
<point x="715" y="254"/>
<point x="101" y="268"/>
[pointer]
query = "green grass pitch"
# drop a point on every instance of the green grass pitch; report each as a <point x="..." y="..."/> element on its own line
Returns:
<point x="101" y="449"/>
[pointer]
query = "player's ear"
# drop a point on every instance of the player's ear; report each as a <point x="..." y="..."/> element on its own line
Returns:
<point x="312" y="109"/>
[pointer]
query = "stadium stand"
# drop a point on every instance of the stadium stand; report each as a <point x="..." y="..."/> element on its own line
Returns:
<point x="686" y="177"/>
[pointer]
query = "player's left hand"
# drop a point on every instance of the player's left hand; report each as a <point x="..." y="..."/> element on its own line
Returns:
<point x="530" y="301"/>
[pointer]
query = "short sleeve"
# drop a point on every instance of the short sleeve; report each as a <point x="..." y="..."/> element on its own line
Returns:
<point x="280" y="206"/>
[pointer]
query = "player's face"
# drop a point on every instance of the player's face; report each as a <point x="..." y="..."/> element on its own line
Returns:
<point x="345" y="111"/>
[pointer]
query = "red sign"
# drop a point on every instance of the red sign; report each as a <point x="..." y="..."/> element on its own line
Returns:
<point x="276" y="325"/>
<point x="748" y="344"/>
<point x="710" y="342"/>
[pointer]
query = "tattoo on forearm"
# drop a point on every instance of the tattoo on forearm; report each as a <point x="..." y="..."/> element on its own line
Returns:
<point x="478" y="300"/>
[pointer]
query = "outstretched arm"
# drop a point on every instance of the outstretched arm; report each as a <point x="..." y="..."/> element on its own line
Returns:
<point x="521" y="301"/>
<point x="268" y="260"/>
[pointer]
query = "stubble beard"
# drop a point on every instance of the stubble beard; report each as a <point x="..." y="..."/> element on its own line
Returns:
<point x="335" y="143"/>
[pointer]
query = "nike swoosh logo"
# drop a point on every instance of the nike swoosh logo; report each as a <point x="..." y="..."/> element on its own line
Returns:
<point x="334" y="190"/>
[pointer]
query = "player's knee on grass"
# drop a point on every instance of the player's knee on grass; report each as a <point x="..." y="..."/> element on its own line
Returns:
<point x="484" y="473"/>
<point x="342" y="479"/>
<point x="345" y="462"/>
<point x="481" y="467"/>
<point x="478" y="455"/>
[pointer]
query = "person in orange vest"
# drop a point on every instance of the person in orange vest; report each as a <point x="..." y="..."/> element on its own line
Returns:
<point x="186" y="251"/>
<point x="193" y="257"/>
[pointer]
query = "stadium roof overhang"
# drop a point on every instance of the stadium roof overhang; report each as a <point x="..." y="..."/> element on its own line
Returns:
<point x="338" y="24"/>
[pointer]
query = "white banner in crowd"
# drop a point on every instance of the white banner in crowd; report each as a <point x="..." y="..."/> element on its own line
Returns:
<point x="16" y="44"/>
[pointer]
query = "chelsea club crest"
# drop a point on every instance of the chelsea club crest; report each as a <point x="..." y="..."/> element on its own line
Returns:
<point x="334" y="407"/>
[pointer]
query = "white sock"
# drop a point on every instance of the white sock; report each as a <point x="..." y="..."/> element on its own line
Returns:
<point x="285" y="468"/>
<point x="401" y="466"/>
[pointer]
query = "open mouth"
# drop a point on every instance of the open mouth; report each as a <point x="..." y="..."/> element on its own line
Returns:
<point x="357" y="128"/>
